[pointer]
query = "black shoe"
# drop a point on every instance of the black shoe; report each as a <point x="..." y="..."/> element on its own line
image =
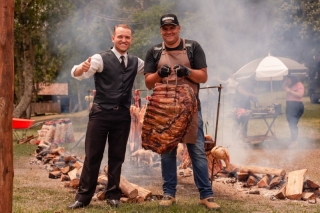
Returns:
<point x="76" y="205"/>
<point x="113" y="203"/>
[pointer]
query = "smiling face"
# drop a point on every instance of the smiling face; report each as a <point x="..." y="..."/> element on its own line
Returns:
<point x="170" y="34"/>
<point x="122" y="39"/>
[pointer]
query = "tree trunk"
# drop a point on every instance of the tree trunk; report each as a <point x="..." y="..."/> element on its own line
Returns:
<point x="6" y="104"/>
<point x="18" y="69"/>
<point x="28" y="78"/>
<point x="28" y="56"/>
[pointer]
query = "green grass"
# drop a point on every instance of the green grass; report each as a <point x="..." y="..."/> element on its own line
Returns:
<point x="21" y="151"/>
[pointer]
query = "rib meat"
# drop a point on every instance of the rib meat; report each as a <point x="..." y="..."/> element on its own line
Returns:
<point x="168" y="116"/>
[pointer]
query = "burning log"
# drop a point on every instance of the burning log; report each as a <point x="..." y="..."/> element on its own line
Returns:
<point x="103" y="179"/>
<point x="308" y="184"/>
<point x="252" y="180"/>
<point x="281" y="193"/>
<point x="58" y="151"/>
<point x="260" y="170"/>
<point x="100" y="195"/>
<point x="70" y="159"/>
<point x="65" y="177"/>
<point x="75" y="183"/>
<point x="276" y="180"/>
<point x="26" y="140"/>
<point x="78" y="165"/>
<point x="128" y="200"/>
<point x="55" y="174"/>
<point x="264" y="182"/>
<point x="295" y="184"/>
<point x="142" y="192"/>
<point x="65" y="170"/>
<point x="124" y="200"/>
<point x="126" y="187"/>
<point x="73" y="174"/>
<point x="308" y="196"/>
<point x="242" y="176"/>
<point x="253" y="192"/>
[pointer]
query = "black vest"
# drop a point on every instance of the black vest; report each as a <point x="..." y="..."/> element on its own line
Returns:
<point x="114" y="84"/>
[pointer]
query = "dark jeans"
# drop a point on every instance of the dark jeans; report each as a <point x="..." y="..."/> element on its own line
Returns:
<point x="113" y="125"/>
<point x="294" y="111"/>
<point x="199" y="165"/>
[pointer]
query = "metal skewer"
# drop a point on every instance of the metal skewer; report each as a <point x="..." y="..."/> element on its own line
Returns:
<point x="216" y="129"/>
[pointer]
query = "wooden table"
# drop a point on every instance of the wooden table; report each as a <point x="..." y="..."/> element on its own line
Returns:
<point x="269" y="119"/>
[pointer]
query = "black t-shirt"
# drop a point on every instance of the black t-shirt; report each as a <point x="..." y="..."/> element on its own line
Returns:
<point x="195" y="53"/>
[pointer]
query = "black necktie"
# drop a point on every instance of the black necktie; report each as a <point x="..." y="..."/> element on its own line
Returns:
<point x="122" y="62"/>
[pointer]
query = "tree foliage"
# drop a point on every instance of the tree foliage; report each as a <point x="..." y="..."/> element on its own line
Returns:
<point x="35" y="20"/>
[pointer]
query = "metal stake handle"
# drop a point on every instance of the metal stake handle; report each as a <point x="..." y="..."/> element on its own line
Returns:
<point x="216" y="129"/>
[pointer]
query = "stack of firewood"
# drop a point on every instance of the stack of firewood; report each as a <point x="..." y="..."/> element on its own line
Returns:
<point x="62" y="164"/>
<point x="291" y="185"/>
<point x="67" y="167"/>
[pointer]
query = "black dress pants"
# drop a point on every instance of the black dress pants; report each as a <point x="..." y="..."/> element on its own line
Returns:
<point x="103" y="125"/>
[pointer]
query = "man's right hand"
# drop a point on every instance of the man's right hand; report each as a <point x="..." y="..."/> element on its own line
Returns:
<point x="164" y="71"/>
<point x="84" y="66"/>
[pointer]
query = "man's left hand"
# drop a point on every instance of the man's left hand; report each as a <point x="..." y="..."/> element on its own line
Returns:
<point x="182" y="70"/>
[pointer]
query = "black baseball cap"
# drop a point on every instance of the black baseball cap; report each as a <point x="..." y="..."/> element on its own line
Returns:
<point x="168" y="19"/>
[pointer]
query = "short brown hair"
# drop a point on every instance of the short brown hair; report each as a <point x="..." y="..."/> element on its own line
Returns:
<point x="121" y="25"/>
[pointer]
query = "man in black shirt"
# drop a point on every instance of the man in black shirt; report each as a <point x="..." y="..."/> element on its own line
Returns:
<point x="187" y="58"/>
<point x="114" y="72"/>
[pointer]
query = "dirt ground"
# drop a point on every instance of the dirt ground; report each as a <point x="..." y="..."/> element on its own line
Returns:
<point x="273" y="154"/>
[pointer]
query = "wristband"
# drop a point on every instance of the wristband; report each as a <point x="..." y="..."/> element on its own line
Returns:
<point x="188" y="71"/>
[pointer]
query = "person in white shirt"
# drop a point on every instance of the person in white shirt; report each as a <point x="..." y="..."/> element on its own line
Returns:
<point x="231" y="86"/>
<point x="114" y="72"/>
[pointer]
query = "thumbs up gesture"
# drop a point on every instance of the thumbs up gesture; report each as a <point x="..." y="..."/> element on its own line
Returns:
<point x="84" y="66"/>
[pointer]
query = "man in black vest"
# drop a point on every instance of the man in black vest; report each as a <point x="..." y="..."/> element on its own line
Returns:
<point x="114" y="72"/>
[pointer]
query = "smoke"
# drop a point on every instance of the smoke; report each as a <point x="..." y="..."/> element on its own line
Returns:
<point x="232" y="33"/>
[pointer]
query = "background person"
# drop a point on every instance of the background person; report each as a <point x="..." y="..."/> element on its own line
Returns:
<point x="114" y="72"/>
<point x="231" y="86"/>
<point x="188" y="58"/>
<point x="244" y="95"/>
<point x="294" y="106"/>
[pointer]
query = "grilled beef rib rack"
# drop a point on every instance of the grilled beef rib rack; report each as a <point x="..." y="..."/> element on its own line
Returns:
<point x="168" y="115"/>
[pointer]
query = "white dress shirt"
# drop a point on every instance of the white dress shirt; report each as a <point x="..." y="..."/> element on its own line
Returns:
<point x="97" y="65"/>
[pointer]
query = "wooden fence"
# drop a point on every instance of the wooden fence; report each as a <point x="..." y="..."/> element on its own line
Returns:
<point x="45" y="107"/>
